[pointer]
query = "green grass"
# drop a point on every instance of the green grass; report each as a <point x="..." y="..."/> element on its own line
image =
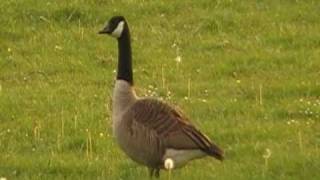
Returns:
<point x="253" y="68"/>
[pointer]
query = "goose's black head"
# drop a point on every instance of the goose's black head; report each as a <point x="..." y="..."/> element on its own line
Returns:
<point x="114" y="27"/>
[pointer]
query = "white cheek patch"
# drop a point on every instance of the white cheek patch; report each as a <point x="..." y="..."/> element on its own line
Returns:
<point x="118" y="31"/>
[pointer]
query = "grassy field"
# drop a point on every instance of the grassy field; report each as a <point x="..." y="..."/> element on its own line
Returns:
<point x="246" y="72"/>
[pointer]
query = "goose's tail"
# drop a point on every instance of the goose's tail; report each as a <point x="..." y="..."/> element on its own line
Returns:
<point x="215" y="152"/>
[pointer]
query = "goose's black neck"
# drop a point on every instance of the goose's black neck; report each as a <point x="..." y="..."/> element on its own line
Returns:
<point x="125" y="59"/>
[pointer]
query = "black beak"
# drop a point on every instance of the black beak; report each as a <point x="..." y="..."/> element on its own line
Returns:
<point x="105" y="30"/>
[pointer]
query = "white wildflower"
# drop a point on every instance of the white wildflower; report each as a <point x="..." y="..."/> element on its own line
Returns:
<point x="57" y="47"/>
<point x="267" y="154"/>
<point x="101" y="134"/>
<point x="178" y="59"/>
<point x="204" y="100"/>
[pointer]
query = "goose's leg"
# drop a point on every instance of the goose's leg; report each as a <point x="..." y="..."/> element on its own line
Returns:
<point x="151" y="172"/>
<point x="157" y="173"/>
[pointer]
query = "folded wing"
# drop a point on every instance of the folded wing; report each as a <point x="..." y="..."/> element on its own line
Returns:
<point x="166" y="127"/>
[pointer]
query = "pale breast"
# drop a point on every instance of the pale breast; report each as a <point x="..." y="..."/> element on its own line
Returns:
<point x="140" y="143"/>
<point x="123" y="97"/>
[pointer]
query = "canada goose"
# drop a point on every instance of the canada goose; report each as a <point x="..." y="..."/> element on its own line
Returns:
<point x="150" y="131"/>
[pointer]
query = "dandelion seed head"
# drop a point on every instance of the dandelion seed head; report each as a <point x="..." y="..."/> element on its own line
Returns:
<point x="169" y="164"/>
